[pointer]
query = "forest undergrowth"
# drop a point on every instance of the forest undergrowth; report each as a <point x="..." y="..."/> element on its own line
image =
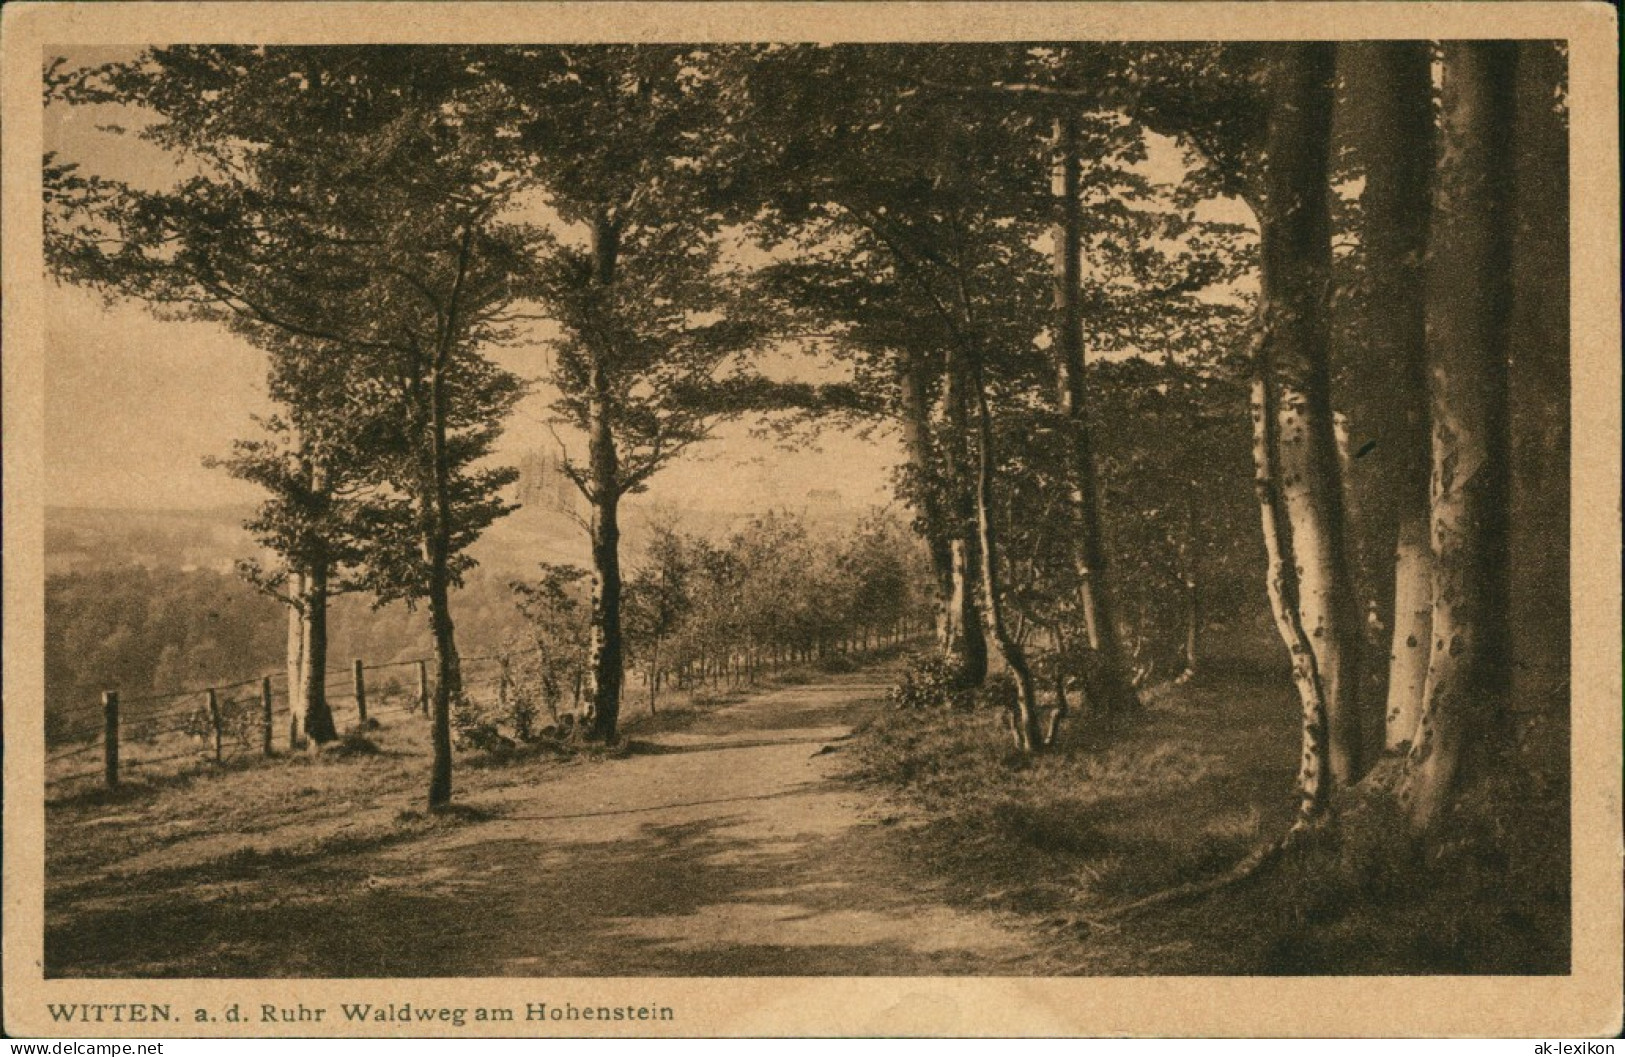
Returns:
<point x="1119" y="811"/>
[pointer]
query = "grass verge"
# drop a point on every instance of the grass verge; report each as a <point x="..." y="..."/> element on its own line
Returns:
<point x="1183" y="792"/>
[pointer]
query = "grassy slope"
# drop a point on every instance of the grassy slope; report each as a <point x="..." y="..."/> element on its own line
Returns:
<point x="1182" y="793"/>
<point x="217" y="832"/>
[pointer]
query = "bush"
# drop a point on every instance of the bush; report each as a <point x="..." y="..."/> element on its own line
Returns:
<point x="998" y="691"/>
<point x="353" y="743"/>
<point x="521" y="713"/>
<point x="474" y="730"/>
<point x="837" y="664"/>
<point x="929" y="682"/>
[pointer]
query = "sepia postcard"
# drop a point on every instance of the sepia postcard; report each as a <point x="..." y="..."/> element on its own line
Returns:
<point x="783" y="519"/>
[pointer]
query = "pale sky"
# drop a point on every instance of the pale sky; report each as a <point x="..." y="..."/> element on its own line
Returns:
<point x="133" y="404"/>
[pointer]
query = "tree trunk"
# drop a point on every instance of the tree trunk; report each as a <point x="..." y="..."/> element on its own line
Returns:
<point x="312" y="717"/>
<point x="448" y="690"/>
<point x="1294" y="448"/>
<point x="1469" y="295"/>
<point x="1294" y="275"/>
<point x="296" y="658"/>
<point x="654" y="673"/>
<point x="1539" y="395"/>
<point x="1413" y="632"/>
<point x="916" y="429"/>
<point x="316" y="716"/>
<point x="1193" y="625"/>
<point x="606" y="661"/>
<point x="965" y="647"/>
<point x="316" y="723"/>
<point x="1390" y="111"/>
<point x="1314" y="771"/>
<point x="1025" y="724"/>
<point x="1063" y="707"/>
<point x="605" y="664"/>
<point x="437" y="521"/>
<point x="1110" y="686"/>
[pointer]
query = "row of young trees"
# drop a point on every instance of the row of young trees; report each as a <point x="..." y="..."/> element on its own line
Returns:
<point x="702" y="612"/>
<point x="955" y="226"/>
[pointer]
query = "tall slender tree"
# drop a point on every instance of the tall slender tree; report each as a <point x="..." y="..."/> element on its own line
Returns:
<point x="1110" y="687"/>
<point x="1388" y="93"/>
<point x="344" y="196"/>
<point x="1298" y="473"/>
<point x="1540" y="387"/>
<point x="1469" y="294"/>
<point x="915" y="189"/>
<point x="620" y="139"/>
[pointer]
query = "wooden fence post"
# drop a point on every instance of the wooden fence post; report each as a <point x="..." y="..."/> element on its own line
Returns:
<point x="214" y="721"/>
<point x="265" y="715"/>
<point x="110" y="736"/>
<point x="423" y="687"/>
<point x="360" y="692"/>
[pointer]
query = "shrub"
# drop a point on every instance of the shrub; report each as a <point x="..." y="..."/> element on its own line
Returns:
<point x="928" y="682"/>
<point x="474" y="730"/>
<point x="837" y="664"/>
<point x="353" y="743"/>
<point x="998" y="691"/>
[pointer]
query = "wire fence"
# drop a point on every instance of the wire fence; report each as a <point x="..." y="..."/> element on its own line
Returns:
<point x="172" y="732"/>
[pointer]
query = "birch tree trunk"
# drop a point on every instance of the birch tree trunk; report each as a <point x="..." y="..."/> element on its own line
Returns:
<point x="1025" y="725"/>
<point x="965" y="646"/>
<point x="1110" y="685"/>
<point x="1390" y="96"/>
<point x="448" y="687"/>
<point x="1469" y="294"/>
<point x="1295" y="449"/>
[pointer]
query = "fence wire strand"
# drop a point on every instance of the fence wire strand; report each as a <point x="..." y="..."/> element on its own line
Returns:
<point x="241" y="718"/>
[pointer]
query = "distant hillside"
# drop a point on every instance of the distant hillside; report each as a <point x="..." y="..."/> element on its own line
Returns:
<point x="544" y="529"/>
<point x="83" y="539"/>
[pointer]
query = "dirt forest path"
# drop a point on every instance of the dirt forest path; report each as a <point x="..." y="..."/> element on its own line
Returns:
<point x="731" y="846"/>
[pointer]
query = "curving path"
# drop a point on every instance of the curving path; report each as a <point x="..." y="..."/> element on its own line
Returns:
<point x="732" y="847"/>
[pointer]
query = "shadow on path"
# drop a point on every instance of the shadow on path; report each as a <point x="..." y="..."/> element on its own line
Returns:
<point x="709" y="851"/>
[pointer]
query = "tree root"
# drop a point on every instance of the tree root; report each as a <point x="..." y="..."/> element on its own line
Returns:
<point x="1251" y="866"/>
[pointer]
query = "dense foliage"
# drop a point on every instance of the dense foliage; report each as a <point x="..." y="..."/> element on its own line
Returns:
<point x="1114" y="298"/>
